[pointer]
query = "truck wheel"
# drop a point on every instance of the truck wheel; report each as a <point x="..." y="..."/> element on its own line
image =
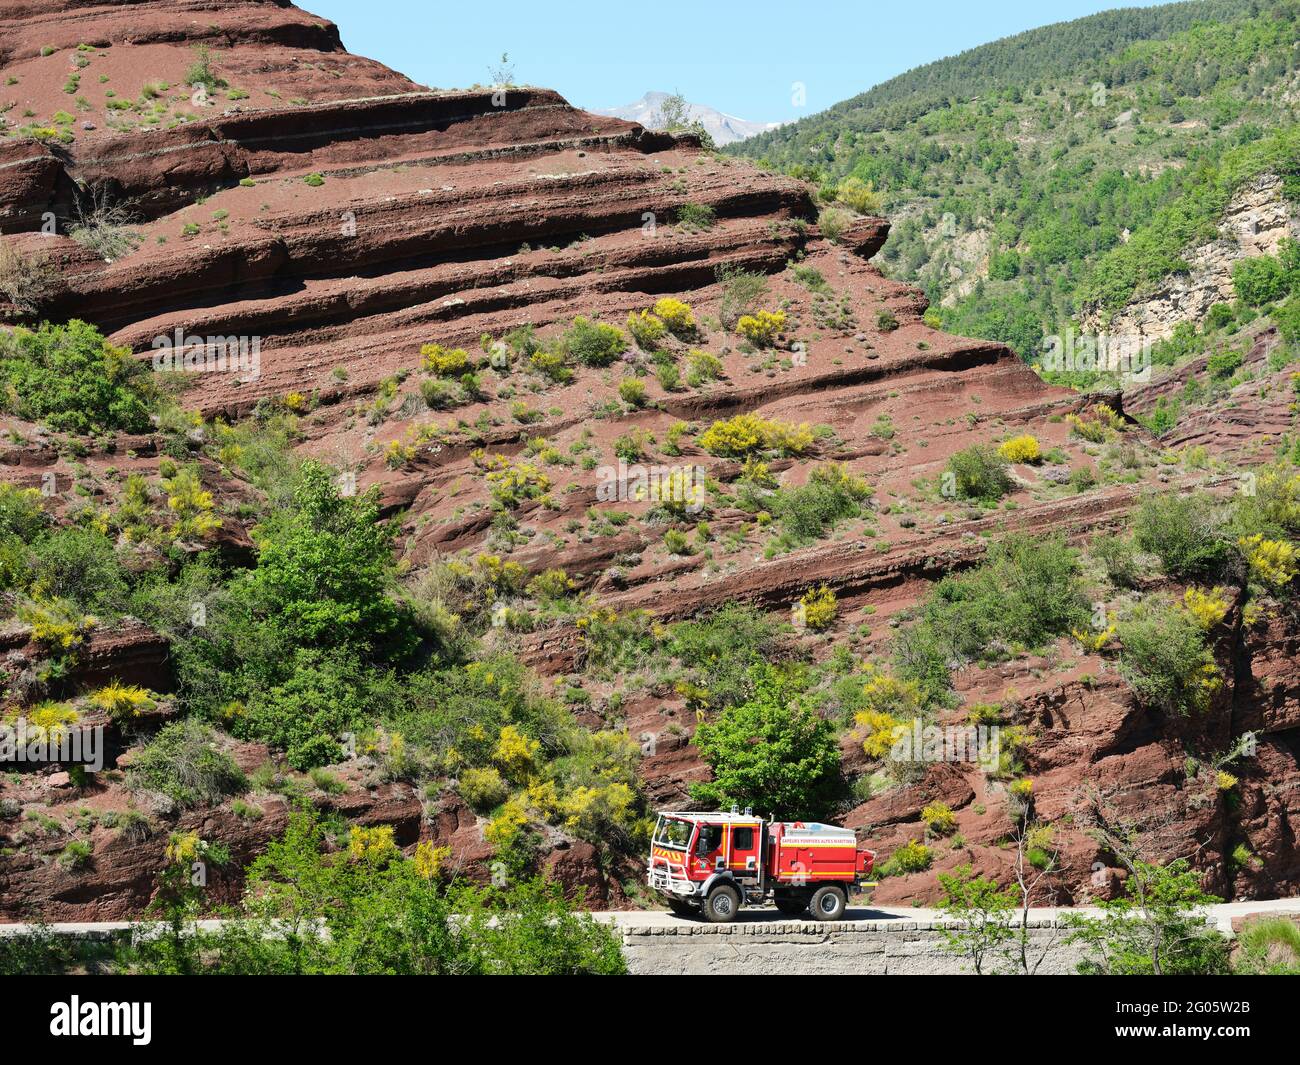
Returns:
<point x="682" y="908"/>
<point x="828" y="904"/>
<point x="722" y="905"/>
<point x="791" y="907"/>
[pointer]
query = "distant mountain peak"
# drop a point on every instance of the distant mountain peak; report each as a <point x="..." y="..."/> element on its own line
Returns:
<point x="723" y="128"/>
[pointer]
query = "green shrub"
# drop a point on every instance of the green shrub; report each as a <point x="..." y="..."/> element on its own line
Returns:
<point x="939" y="819"/>
<point x="677" y="542"/>
<point x="810" y="277"/>
<point x="438" y="394"/>
<point x="1027" y="592"/>
<point x="593" y="343"/>
<point x="701" y="367"/>
<point x="200" y="71"/>
<point x="183" y="763"/>
<point x="1273" y="508"/>
<point x="77" y="854"/>
<point x="80" y="565"/>
<point x="465" y="709"/>
<point x="1118" y="558"/>
<point x="810" y="511"/>
<point x="742" y="291"/>
<point x="1165" y="659"/>
<point x="632" y="392"/>
<point x="483" y="789"/>
<point x="1185" y="532"/>
<point x="646" y="329"/>
<point x="721" y="648"/>
<point x="912" y="857"/>
<point x="979" y="472"/>
<point x="70" y="378"/>
<point x="1288" y="318"/>
<point x="1223" y="364"/>
<point x="324" y="697"/>
<point x="380" y="912"/>
<point x="859" y="195"/>
<point x="1260" y="280"/>
<point x="668" y="376"/>
<point x="26" y="281"/>
<point x="329" y="783"/>
<point x="832" y="221"/>
<point x="386" y="913"/>
<point x="1268" y="947"/>
<point x="1219" y="316"/>
<point x="21" y="512"/>
<point x="695" y="216"/>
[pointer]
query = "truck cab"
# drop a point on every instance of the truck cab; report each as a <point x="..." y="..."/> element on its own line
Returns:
<point x="692" y="853"/>
<point x="712" y="863"/>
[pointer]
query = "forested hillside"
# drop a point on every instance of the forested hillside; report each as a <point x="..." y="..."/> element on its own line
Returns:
<point x="1067" y="167"/>
<point x="1042" y="53"/>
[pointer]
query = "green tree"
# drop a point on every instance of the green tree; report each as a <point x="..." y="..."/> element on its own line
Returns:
<point x="323" y="569"/>
<point x="772" y="752"/>
<point x="1158" y="928"/>
<point x="1007" y="317"/>
<point x="986" y="912"/>
<point x="1261" y="279"/>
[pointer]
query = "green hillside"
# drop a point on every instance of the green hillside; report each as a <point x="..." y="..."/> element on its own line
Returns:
<point x="1066" y="164"/>
<point x="1036" y="55"/>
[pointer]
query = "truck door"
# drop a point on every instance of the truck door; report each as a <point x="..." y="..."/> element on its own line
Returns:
<point x="745" y="841"/>
<point x="710" y="853"/>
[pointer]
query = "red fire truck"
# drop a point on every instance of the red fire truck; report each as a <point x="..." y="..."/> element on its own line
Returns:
<point x="714" y="863"/>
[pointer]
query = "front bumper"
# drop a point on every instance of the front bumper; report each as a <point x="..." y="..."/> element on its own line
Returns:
<point x="663" y="879"/>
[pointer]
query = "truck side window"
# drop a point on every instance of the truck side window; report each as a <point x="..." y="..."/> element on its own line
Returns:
<point x="710" y="839"/>
<point x="744" y="839"/>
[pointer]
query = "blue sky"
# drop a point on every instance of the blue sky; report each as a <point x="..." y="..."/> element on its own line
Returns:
<point x="740" y="56"/>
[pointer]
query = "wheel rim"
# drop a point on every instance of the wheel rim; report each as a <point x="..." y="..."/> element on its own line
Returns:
<point x="722" y="903"/>
<point x="830" y="903"/>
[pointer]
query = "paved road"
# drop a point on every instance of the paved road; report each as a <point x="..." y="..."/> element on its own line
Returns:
<point x="1223" y="914"/>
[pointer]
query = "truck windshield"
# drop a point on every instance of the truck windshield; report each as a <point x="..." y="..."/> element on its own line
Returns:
<point x="673" y="833"/>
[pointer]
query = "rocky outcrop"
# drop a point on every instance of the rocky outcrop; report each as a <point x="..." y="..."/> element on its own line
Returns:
<point x="1254" y="223"/>
<point x="268" y="49"/>
<point x="1091" y="740"/>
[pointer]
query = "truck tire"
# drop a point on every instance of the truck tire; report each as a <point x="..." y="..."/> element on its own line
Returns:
<point x="722" y="905"/>
<point x="828" y="903"/>
<point x="682" y="908"/>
